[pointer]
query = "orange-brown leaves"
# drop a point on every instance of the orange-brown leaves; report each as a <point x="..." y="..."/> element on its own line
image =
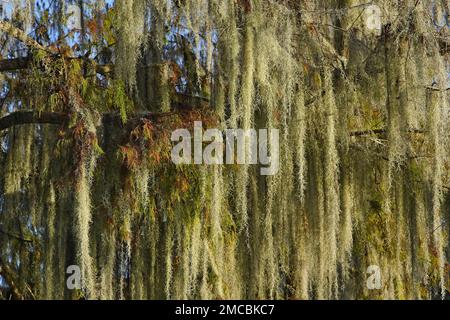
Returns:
<point x="246" y="5"/>
<point x="175" y="74"/>
<point x="182" y="183"/>
<point x="93" y="27"/>
<point x="131" y="156"/>
<point x="145" y="131"/>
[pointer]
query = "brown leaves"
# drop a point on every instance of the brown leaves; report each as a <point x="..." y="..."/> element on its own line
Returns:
<point x="144" y="130"/>
<point x="246" y="5"/>
<point x="93" y="27"/>
<point x="175" y="74"/>
<point x="131" y="156"/>
<point x="182" y="184"/>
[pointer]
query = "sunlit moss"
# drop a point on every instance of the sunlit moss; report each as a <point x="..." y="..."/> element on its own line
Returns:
<point x="140" y="227"/>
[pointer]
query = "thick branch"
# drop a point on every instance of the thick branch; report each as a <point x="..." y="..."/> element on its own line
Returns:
<point x="14" y="64"/>
<point x="20" y="35"/>
<point x="367" y="132"/>
<point x="57" y="118"/>
<point x="24" y="62"/>
<point x="32" y="117"/>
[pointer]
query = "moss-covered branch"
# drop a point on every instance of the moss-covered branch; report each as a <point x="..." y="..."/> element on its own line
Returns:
<point x="20" y="35"/>
<point x="16" y="64"/>
<point x="56" y="118"/>
<point x="32" y="117"/>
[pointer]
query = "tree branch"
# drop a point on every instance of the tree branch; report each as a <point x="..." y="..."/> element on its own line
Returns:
<point x="379" y="132"/>
<point x="24" y="63"/>
<point x="32" y="117"/>
<point x="59" y="118"/>
<point x="367" y="132"/>
<point x="14" y="64"/>
<point x="20" y="35"/>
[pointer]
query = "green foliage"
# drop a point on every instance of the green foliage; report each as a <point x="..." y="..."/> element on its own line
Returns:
<point x="363" y="154"/>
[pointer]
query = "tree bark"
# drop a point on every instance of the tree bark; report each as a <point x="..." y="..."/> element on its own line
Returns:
<point x="59" y="118"/>
<point x="9" y="65"/>
<point x="56" y="118"/>
<point x="14" y="64"/>
<point x="32" y="117"/>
